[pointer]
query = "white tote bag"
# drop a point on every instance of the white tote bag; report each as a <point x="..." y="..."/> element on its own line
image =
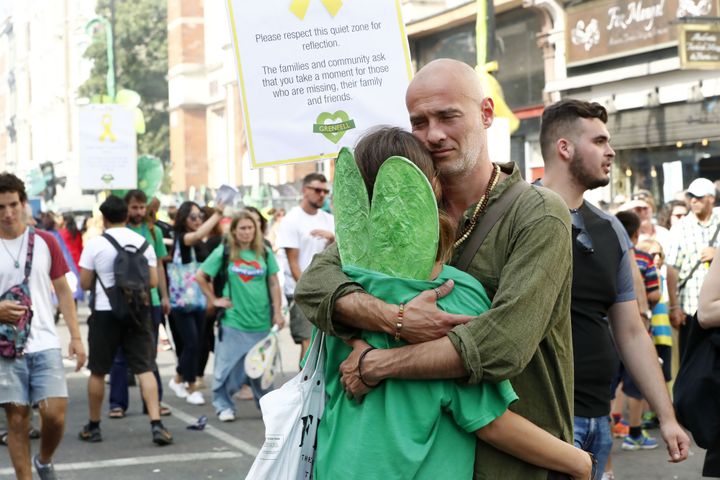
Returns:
<point x="291" y="415"/>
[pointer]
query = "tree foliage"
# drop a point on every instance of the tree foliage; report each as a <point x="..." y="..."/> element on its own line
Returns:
<point x="141" y="64"/>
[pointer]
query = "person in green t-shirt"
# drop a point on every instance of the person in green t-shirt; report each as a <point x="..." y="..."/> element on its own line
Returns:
<point x="250" y="287"/>
<point x="416" y="428"/>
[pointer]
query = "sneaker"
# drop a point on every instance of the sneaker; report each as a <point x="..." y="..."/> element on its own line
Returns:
<point x="161" y="436"/>
<point x="226" y="415"/>
<point x="620" y="429"/>
<point x="650" y="421"/>
<point x="178" y="388"/>
<point x="90" y="435"/>
<point x="46" y="472"/>
<point x="608" y="476"/>
<point x="195" y="398"/>
<point x="644" y="442"/>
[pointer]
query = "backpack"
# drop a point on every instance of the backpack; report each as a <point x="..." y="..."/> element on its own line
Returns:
<point x="13" y="337"/>
<point x="130" y="296"/>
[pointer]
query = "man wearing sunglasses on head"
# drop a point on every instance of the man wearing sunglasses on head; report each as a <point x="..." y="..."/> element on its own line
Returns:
<point x="305" y="231"/>
<point x="576" y="149"/>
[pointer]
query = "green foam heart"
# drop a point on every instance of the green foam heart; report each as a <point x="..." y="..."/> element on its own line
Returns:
<point x="352" y="210"/>
<point x="404" y="221"/>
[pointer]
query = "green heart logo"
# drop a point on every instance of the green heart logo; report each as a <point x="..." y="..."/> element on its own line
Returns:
<point x="333" y="125"/>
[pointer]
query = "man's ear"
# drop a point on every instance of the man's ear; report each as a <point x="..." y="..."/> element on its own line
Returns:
<point x="487" y="109"/>
<point x="565" y="149"/>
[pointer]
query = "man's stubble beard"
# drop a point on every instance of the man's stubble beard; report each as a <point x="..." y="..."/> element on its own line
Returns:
<point x="584" y="178"/>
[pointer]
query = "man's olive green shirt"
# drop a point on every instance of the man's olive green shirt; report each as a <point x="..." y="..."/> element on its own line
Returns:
<point x="525" y="264"/>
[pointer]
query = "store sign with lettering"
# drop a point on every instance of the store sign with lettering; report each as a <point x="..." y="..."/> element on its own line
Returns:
<point x="699" y="46"/>
<point x="608" y="29"/>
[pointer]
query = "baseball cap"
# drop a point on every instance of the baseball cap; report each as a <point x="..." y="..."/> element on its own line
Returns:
<point x="701" y="187"/>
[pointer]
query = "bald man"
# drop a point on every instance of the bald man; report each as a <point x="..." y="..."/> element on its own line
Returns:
<point x="524" y="264"/>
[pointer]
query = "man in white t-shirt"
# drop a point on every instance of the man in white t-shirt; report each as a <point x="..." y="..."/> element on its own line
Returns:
<point x="305" y="231"/>
<point x="37" y="377"/>
<point x="107" y="331"/>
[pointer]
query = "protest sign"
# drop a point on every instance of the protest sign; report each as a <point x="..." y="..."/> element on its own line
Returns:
<point x="107" y="147"/>
<point x="315" y="74"/>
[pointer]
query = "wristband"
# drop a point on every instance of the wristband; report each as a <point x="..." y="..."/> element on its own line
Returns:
<point x="360" y="375"/>
<point x="399" y="322"/>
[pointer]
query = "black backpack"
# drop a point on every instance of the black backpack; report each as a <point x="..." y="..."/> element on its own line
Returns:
<point x="130" y="296"/>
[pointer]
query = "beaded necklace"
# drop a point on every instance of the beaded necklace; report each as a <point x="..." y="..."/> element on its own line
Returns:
<point x="481" y="205"/>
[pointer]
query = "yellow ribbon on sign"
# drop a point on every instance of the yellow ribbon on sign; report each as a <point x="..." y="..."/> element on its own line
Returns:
<point x="107" y="125"/>
<point x="299" y="7"/>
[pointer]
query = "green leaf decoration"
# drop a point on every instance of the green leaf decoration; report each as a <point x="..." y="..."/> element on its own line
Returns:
<point x="150" y="173"/>
<point x="352" y="211"/>
<point x="404" y="222"/>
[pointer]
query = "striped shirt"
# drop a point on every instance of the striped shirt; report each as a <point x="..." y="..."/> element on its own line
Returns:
<point x="688" y="238"/>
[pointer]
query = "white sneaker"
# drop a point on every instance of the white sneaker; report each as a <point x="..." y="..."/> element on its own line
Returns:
<point x="226" y="416"/>
<point x="195" y="398"/>
<point x="178" y="388"/>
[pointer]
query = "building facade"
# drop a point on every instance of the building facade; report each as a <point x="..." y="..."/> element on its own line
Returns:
<point x="40" y="40"/>
<point x="655" y="66"/>
<point x="207" y="136"/>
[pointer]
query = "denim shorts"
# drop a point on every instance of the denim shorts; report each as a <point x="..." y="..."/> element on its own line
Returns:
<point x="32" y="378"/>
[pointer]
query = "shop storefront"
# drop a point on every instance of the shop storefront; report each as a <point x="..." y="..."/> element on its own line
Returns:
<point x="451" y="34"/>
<point x="654" y="65"/>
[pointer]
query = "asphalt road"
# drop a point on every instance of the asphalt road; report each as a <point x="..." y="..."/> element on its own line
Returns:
<point x="226" y="450"/>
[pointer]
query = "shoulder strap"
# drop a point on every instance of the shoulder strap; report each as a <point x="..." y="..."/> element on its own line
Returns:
<point x="29" y="256"/>
<point x="117" y="246"/>
<point x="488" y="221"/>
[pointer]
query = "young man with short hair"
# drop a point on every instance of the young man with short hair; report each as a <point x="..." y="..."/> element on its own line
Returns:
<point x="107" y="332"/>
<point x="578" y="157"/>
<point x="137" y="204"/>
<point x="37" y="377"/>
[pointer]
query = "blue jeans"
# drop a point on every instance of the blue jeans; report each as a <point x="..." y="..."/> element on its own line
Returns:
<point x="32" y="378"/>
<point x="593" y="435"/>
<point x="229" y="369"/>
<point x="119" y="397"/>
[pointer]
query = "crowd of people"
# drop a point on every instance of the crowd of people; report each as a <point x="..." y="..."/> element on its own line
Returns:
<point x="558" y="326"/>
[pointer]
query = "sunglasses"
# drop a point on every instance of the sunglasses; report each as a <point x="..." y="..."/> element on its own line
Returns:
<point x="319" y="190"/>
<point x="583" y="239"/>
<point x="194" y="216"/>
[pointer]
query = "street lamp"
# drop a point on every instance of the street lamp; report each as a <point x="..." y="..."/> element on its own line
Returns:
<point x="110" y="79"/>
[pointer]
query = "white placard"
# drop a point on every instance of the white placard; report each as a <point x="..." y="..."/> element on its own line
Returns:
<point x="315" y="74"/>
<point x="673" y="175"/>
<point x="108" y="158"/>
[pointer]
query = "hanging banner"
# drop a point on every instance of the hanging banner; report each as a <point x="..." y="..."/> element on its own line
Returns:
<point x="107" y="147"/>
<point x="315" y="74"/>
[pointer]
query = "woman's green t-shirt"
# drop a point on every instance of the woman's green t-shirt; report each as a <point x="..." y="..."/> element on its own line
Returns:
<point x="246" y="287"/>
<point x="406" y="429"/>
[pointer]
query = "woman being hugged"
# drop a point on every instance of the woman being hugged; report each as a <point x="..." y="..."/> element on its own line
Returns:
<point x="251" y="299"/>
<point x="188" y="322"/>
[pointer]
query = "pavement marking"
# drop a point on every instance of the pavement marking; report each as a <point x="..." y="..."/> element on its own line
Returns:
<point x="241" y="445"/>
<point x="135" y="461"/>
